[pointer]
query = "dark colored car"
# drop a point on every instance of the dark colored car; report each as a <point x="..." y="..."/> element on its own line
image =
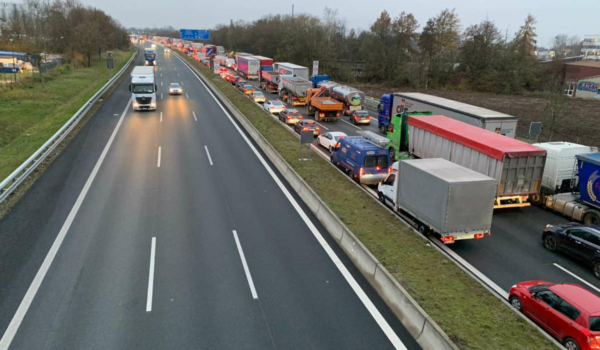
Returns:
<point x="234" y="80"/>
<point x="310" y="124"/>
<point x="290" y="116"/>
<point x="577" y="241"/>
<point x="360" y="116"/>
<point x="240" y="84"/>
<point x="570" y="313"/>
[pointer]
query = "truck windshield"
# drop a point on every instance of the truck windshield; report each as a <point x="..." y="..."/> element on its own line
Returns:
<point x="143" y="89"/>
<point x="373" y="161"/>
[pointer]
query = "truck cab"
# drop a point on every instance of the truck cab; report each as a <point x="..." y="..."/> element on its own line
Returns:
<point x="143" y="88"/>
<point x="384" y="112"/>
<point x="149" y="57"/>
<point x="397" y="133"/>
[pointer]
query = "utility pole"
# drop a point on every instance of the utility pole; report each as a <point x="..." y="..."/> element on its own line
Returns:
<point x="292" y="10"/>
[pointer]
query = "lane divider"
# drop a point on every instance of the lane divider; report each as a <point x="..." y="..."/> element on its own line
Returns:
<point x="245" y="264"/>
<point x="151" y="276"/>
<point x="208" y="154"/>
<point x="159" y="154"/>
<point x="194" y="114"/>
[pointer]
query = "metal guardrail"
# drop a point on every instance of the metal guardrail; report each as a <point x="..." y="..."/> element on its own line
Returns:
<point x="10" y="184"/>
<point x="371" y="102"/>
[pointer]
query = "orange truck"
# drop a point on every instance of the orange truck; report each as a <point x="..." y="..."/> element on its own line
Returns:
<point x="322" y="105"/>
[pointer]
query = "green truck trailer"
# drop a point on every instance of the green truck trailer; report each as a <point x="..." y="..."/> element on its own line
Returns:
<point x="397" y="133"/>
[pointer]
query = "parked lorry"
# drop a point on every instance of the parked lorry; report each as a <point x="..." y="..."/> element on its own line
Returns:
<point x="270" y="81"/>
<point x="585" y="205"/>
<point x="285" y="68"/>
<point x="497" y="122"/>
<point x="560" y="167"/>
<point x="436" y="195"/>
<point x="293" y="90"/>
<point x="517" y="166"/>
<point x="149" y="57"/>
<point x="143" y="88"/>
<point x="322" y="105"/>
<point x="247" y="67"/>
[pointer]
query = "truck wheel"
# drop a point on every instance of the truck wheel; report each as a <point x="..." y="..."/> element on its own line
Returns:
<point x="422" y="229"/>
<point x="591" y="218"/>
<point x="536" y="199"/>
<point x="381" y="198"/>
<point x="382" y="128"/>
<point x="392" y="154"/>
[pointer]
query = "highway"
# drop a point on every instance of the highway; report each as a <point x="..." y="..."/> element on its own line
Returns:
<point x="168" y="230"/>
<point x="514" y="251"/>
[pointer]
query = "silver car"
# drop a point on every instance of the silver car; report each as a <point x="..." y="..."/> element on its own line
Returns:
<point x="274" y="106"/>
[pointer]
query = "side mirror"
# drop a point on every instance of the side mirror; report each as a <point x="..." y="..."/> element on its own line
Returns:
<point x="129" y="87"/>
<point x="533" y="296"/>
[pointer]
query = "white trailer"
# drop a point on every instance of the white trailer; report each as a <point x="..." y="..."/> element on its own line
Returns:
<point x="497" y="122"/>
<point x="143" y="88"/>
<point x="285" y="68"/>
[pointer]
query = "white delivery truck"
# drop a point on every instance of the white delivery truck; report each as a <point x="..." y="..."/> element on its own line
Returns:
<point x="143" y="88"/>
<point x="285" y="68"/>
<point x="436" y="195"/>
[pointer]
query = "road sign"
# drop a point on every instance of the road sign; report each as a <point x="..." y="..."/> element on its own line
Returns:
<point x="194" y="34"/>
<point x="110" y="64"/>
<point x="137" y="32"/>
<point x="315" y="68"/>
<point x="306" y="138"/>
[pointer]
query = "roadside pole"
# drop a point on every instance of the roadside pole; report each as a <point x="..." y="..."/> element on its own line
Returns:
<point x="109" y="63"/>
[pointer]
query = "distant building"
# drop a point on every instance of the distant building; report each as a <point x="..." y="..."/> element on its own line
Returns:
<point x="582" y="79"/>
<point x="591" y="47"/>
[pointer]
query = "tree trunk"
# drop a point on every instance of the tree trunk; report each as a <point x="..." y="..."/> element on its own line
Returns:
<point x="42" y="76"/>
<point x="89" y="57"/>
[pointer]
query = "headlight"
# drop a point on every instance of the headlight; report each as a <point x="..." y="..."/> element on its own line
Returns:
<point x="136" y="105"/>
<point x="152" y="104"/>
<point x="170" y="90"/>
<point x="146" y="61"/>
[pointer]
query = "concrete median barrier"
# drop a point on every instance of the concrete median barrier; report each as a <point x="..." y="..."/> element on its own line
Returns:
<point x="427" y="333"/>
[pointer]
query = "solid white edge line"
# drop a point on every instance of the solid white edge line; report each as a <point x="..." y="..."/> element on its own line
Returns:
<point x="151" y="276"/>
<point x="381" y="321"/>
<point x="208" y="154"/>
<point x="577" y="277"/>
<point x="194" y="113"/>
<point x="19" y="315"/>
<point x="159" y="154"/>
<point x="161" y="117"/>
<point x="245" y="264"/>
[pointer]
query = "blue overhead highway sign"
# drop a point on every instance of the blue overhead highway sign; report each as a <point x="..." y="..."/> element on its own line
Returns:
<point x="197" y="34"/>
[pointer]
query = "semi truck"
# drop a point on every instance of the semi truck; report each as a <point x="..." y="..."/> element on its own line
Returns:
<point x="247" y="67"/>
<point x="440" y="197"/>
<point x="264" y="61"/>
<point x="149" y="57"/>
<point x="322" y="105"/>
<point x="559" y="169"/>
<point x="143" y="88"/>
<point x="517" y="166"/>
<point x="397" y="133"/>
<point x="285" y="68"/>
<point x="351" y="97"/>
<point x="270" y="81"/>
<point x="585" y="205"/>
<point x="497" y="122"/>
<point x="293" y="90"/>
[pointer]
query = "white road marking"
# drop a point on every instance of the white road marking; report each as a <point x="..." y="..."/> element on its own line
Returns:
<point x="246" y="270"/>
<point x="323" y="126"/>
<point x="177" y="74"/>
<point x="194" y="113"/>
<point x="161" y="74"/>
<point x="350" y="124"/>
<point x="577" y="277"/>
<point x="186" y="95"/>
<point x="161" y="95"/>
<point x="159" y="154"/>
<point x="161" y="83"/>
<point x="151" y="276"/>
<point x="182" y="83"/>
<point x="17" y="319"/>
<point x="208" y="154"/>
<point x="381" y="321"/>
<point x="161" y="117"/>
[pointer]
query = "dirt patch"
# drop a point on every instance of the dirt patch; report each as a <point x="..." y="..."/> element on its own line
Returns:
<point x="579" y="123"/>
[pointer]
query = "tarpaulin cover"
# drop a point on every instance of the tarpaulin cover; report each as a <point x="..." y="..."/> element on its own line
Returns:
<point x="487" y="142"/>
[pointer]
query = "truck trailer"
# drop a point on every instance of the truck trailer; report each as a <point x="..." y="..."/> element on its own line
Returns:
<point x="322" y="105"/>
<point x="285" y="68"/>
<point x="293" y="90"/>
<point x="247" y="67"/>
<point x="143" y="88"/>
<point x="497" y="122"/>
<point x="270" y="81"/>
<point x="264" y="61"/>
<point x="517" y="166"/>
<point x="436" y="195"/>
<point x="585" y="205"/>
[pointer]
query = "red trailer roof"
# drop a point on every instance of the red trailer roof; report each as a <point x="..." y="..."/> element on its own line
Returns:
<point x="487" y="142"/>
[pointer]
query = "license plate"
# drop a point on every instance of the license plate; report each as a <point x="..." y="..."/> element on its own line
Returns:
<point x="355" y="108"/>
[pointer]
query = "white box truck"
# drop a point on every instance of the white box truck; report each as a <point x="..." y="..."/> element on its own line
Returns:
<point x="436" y="195"/>
<point x="143" y="88"/>
<point x="291" y="69"/>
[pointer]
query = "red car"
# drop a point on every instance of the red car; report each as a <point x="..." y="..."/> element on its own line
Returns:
<point x="568" y="312"/>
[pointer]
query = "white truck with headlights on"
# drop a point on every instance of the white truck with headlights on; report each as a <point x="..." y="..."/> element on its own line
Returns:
<point x="143" y="88"/>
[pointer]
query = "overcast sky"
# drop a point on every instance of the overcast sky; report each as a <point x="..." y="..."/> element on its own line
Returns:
<point x="579" y="17"/>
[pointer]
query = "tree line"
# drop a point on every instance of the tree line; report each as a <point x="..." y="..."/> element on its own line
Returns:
<point x="400" y="51"/>
<point x="63" y="27"/>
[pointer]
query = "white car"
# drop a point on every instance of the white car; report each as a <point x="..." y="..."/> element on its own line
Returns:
<point x="167" y="49"/>
<point x="273" y="106"/>
<point x="330" y="139"/>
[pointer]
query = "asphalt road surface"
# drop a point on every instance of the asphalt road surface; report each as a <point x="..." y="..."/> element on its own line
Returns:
<point x="165" y="230"/>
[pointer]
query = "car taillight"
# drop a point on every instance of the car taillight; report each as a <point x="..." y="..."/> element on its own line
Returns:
<point x="288" y="117"/>
<point x="299" y="117"/>
<point x="305" y="129"/>
<point x="448" y="239"/>
<point x="321" y="114"/>
<point x="389" y="170"/>
<point x="317" y="128"/>
<point x="478" y="235"/>
<point x="369" y="118"/>
<point x="294" y="98"/>
<point x="378" y="168"/>
<point x="361" y="172"/>
<point x="357" y="117"/>
<point x="338" y="114"/>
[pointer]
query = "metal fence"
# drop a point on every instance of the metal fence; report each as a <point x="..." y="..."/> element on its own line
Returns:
<point x="10" y="184"/>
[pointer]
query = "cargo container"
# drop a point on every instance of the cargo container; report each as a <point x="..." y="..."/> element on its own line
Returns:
<point x="247" y="67"/>
<point x="497" y="122"/>
<point x="316" y="79"/>
<point x="517" y="166"/>
<point x="285" y="68"/>
<point x="442" y="197"/>
<point x="293" y="90"/>
<point x="323" y="106"/>
<point x="585" y="205"/>
<point x="351" y="97"/>
<point x="270" y="81"/>
<point x="264" y="61"/>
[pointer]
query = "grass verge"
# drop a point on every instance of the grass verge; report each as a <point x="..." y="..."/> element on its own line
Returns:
<point x="467" y="312"/>
<point x="29" y="116"/>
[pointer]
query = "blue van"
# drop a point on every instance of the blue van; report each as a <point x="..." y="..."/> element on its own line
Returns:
<point x="366" y="158"/>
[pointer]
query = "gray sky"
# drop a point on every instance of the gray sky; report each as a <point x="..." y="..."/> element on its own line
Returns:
<point x="579" y="17"/>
